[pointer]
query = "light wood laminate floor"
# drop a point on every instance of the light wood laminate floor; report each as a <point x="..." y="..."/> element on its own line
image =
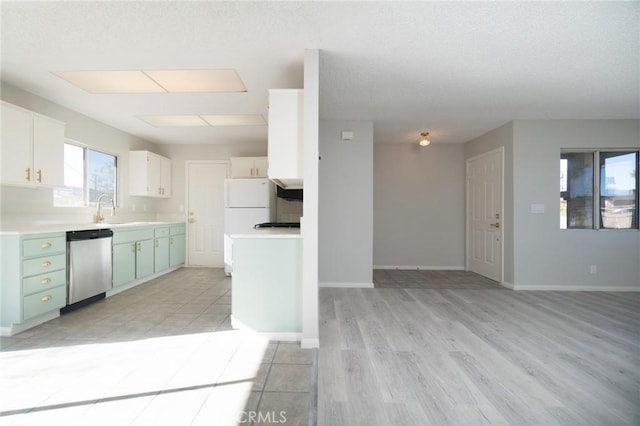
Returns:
<point x="414" y="355"/>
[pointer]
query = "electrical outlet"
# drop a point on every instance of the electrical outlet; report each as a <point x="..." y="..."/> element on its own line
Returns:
<point x="593" y="269"/>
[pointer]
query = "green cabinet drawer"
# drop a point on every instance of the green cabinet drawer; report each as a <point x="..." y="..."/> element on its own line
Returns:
<point x="120" y="237"/>
<point x="177" y="229"/>
<point x="44" y="282"/>
<point x="42" y="265"/>
<point x="161" y="232"/>
<point x="44" y="246"/>
<point x="43" y="302"/>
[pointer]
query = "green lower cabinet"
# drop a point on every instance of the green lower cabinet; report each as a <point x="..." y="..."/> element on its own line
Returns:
<point x="161" y="254"/>
<point x="144" y="258"/>
<point x="132" y="261"/>
<point x="124" y="263"/>
<point x="177" y="249"/>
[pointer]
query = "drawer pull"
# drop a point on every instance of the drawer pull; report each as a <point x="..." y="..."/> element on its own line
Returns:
<point x="46" y="298"/>
<point x="46" y="264"/>
<point x="45" y="245"/>
<point x="45" y="281"/>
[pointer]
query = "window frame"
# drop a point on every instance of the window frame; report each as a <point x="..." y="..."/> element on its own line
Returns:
<point x="596" y="195"/>
<point x="85" y="156"/>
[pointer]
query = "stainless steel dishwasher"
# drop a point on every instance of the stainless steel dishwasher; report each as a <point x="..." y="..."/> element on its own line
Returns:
<point x="89" y="273"/>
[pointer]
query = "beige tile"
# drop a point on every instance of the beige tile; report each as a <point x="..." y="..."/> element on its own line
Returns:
<point x="291" y="353"/>
<point x="289" y="378"/>
<point x="283" y="408"/>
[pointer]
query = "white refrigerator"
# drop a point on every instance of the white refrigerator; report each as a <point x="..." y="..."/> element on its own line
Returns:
<point x="247" y="202"/>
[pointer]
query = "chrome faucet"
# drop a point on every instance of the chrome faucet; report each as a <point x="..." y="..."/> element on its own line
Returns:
<point x="97" y="217"/>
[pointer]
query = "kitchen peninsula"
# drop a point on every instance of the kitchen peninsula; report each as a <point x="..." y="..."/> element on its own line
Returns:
<point x="267" y="282"/>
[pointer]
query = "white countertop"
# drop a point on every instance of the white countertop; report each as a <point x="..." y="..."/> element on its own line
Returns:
<point x="269" y="233"/>
<point x="25" y="228"/>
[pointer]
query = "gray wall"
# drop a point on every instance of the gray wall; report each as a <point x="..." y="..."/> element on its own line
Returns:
<point x="418" y="206"/>
<point x="345" y="225"/>
<point x="501" y="137"/>
<point x="544" y="255"/>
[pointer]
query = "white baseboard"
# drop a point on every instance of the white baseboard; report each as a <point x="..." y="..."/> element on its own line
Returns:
<point x="507" y="285"/>
<point x="14" y="329"/>
<point x="269" y="335"/>
<point x="420" y="268"/>
<point x="309" y="343"/>
<point x="136" y="283"/>
<point x="574" y="288"/>
<point x="346" y="285"/>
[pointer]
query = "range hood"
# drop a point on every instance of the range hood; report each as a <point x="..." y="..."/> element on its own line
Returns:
<point x="288" y="183"/>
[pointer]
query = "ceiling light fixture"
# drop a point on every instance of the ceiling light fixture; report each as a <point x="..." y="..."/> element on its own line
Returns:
<point x="155" y="81"/>
<point x="424" y="139"/>
<point x="203" y="120"/>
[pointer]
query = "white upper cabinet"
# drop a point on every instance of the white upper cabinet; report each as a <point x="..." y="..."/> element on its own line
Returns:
<point x="149" y="174"/>
<point x="285" y="137"/>
<point x="249" y="167"/>
<point x="32" y="148"/>
<point x="165" y="177"/>
<point x="48" y="151"/>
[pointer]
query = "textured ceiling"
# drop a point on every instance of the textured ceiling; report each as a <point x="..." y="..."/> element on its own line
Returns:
<point x="454" y="69"/>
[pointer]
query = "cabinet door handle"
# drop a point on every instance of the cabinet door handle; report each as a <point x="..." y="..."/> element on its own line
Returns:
<point x="257" y="172"/>
<point x="39" y="176"/>
<point x="45" y="245"/>
<point x="28" y="174"/>
<point x="46" y="264"/>
<point x="45" y="281"/>
<point x="46" y="298"/>
<point x="133" y="248"/>
<point x="139" y="246"/>
<point x="157" y="244"/>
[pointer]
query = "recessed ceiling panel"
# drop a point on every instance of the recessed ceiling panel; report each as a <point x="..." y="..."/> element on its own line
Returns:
<point x="190" y="81"/>
<point x="174" y="120"/>
<point x="111" y="81"/>
<point x="235" y="120"/>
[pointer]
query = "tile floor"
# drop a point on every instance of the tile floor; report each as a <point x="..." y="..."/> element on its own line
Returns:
<point x="161" y="353"/>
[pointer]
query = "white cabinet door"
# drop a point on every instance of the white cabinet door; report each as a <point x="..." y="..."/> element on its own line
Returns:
<point x="261" y="166"/>
<point x="154" y="169"/>
<point x="241" y="167"/>
<point x="48" y="151"/>
<point x="285" y="137"/>
<point x="17" y="146"/>
<point x="165" y="177"/>
<point x="248" y="167"/>
<point x="149" y="174"/>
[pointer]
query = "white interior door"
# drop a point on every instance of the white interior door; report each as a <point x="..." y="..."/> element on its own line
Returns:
<point x="205" y="210"/>
<point x="484" y="214"/>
